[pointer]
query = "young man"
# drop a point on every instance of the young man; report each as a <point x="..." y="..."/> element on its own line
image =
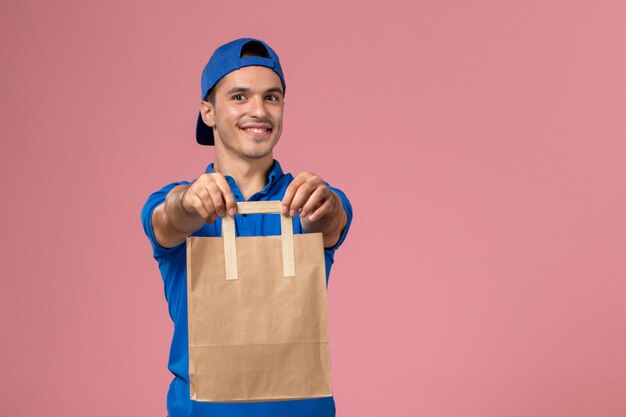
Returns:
<point x="241" y="114"/>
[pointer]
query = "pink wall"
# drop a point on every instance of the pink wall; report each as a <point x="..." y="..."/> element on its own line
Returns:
<point x="482" y="146"/>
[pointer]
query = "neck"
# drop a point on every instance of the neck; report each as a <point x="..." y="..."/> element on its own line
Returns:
<point x="250" y="175"/>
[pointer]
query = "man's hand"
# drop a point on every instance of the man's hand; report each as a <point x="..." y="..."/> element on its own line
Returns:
<point x="188" y="207"/>
<point x="209" y="196"/>
<point x="319" y="207"/>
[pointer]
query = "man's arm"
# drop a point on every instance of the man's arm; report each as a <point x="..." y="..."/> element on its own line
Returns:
<point x="188" y="207"/>
<point x="321" y="209"/>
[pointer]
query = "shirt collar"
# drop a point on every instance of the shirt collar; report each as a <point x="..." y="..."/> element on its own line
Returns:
<point x="275" y="174"/>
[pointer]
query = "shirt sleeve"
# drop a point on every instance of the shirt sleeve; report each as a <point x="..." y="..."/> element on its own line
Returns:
<point x="329" y="252"/>
<point x="153" y="202"/>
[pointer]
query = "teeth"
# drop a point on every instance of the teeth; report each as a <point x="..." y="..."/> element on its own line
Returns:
<point x="256" y="130"/>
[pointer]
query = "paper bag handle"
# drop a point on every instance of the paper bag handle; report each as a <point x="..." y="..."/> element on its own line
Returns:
<point x="253" y="207"/>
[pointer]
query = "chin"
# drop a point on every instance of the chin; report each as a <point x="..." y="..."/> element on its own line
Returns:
<point x="259" y="151"/>
<point x="257" y="154"/>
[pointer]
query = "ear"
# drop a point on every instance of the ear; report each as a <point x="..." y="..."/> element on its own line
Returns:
<point x="207" y="111"/>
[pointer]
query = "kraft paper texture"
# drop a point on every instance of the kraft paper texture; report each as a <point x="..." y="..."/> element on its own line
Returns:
<point x="263" y="336"/>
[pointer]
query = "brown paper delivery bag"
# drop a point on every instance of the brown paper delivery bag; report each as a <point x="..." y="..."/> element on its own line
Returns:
<point x="257" y="310"/>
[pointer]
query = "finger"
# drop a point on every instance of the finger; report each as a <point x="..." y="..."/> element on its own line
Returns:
<point x="216" y="197"/>
<point x="322" y="211"/>
<point x="291" y="191"/>
<point x="227" y="194"/>
<point x="315" y="200"/>
<point x="302" y="196"/>
<point x="192" y="202"/>
<point x="200" y="207"/>
<point x="205" y="197"/>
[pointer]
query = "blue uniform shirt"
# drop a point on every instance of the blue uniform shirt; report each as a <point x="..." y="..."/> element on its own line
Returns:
<point x="173" y="266"/>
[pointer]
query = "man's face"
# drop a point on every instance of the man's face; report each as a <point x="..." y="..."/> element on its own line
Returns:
<point x="248" y="112"/>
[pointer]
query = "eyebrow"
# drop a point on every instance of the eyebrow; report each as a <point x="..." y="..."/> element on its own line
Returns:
<point x="275" y="90"/>
<point x="245" y="90"/>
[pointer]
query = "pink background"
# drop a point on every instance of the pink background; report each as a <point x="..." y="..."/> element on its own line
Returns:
<point x="481" y="144"/>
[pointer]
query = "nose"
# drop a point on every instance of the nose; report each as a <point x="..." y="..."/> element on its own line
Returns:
<point x="257" y="107"/>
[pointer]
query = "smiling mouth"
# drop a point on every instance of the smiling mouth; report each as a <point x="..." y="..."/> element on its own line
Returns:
<point x="257" y="132"/>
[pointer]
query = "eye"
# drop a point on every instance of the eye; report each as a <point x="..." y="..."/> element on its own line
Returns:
<point x="238" y="97"/>
<point x="271" y="97"/>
